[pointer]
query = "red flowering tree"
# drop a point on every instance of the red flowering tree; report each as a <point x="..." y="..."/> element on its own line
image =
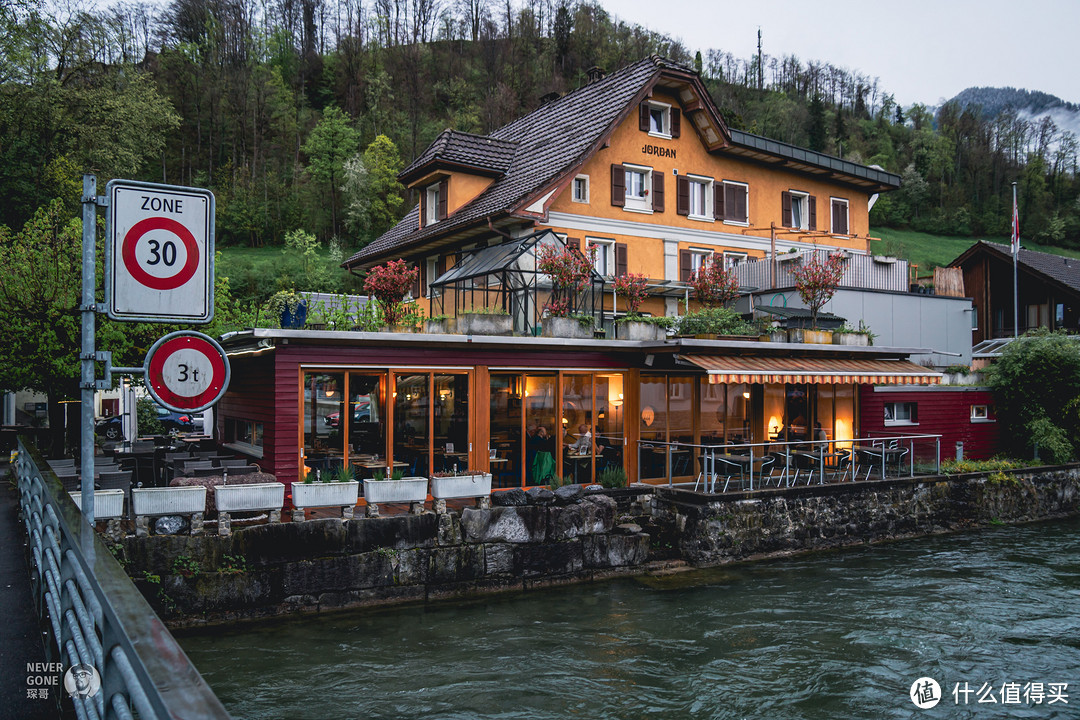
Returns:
<point x="713" y="284"/>
<point x="389" y="284"/>
<point x="817" y="281"/>
<point x="634" y="287"/>
<point x="570" y="271"/>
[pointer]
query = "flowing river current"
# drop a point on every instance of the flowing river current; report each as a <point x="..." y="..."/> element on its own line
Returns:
<point x="988" y="615"/>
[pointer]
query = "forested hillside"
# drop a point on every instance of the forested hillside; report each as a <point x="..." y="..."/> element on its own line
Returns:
<point x="299" y="113"/>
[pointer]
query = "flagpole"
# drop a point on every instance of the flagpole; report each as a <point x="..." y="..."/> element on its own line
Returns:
<point x="1015" y="253"/>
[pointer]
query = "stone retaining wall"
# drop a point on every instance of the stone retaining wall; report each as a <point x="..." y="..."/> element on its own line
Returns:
<point x="331" y="564"/>
<point x="710" y="530"/>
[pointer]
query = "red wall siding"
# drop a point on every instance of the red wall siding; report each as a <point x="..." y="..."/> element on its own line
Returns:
<point x="941" y="411"/>
<point x="248" y="398"/>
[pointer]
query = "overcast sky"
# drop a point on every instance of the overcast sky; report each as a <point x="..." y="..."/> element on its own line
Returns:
<point x="921" y="50"/>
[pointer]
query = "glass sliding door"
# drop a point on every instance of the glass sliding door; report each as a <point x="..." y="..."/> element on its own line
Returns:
<point x="506" y="445"/>
<point x="324" y="444"/>
<point x="451" y="421"/>
<point x="579" y="428"/>
<point x="541" y="433"/>
<point x="412" y="405"/>
<point x="652" y="427"/>
<point x="610" y="435"/>
<point x="366" y="423"/>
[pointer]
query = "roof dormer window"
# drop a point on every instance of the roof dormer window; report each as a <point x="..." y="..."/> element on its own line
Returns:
<point x="659" y="119"/>
<point x="433" y="203"/>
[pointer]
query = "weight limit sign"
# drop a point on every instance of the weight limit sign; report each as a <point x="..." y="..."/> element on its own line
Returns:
<point x="187" y="371"/>
<point x="159" y="263"/>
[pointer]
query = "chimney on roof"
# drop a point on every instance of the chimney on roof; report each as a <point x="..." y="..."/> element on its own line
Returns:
<point x="595" y="73"/>
<point x="549" y="97"/>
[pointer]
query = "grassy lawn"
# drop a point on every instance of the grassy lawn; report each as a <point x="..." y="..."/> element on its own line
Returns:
<point x="930" y="251"/>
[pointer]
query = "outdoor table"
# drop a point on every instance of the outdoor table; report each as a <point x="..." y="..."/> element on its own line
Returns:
<point x="874" y="453"/>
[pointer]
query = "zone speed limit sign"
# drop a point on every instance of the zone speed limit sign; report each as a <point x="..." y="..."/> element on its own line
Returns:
<point x="159" y="264"/>
<point x="186" y="371"/>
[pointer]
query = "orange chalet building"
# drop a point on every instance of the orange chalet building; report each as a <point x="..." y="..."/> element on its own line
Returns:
<point x="639" y="165"/>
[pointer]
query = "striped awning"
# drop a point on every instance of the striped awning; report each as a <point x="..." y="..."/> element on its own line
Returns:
<point x="731" y="369"/>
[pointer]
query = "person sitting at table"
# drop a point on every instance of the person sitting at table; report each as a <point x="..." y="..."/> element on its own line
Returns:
<point x="819" y="433"/>
<point x="583" y="445"/>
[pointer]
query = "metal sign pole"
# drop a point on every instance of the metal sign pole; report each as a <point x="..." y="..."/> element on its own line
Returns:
<point x="88" y="307"/>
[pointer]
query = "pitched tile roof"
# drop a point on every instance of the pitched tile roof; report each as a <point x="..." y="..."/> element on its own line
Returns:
<point x="1064" y="270"/>
<point x="463" y="149"/>
<point x="549" y="140"/>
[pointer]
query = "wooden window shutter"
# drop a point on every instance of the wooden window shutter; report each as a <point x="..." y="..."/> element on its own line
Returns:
<point x="621" y="258"/>
<point x="423" y="207"/>
<point x="676" y="122"/>
<point x="813" y="213"/>
<point x="839" y="218"/>
<point x="444" y="187"/>
<point x="423" y="277"/>
<point x="441" y="265"/>
<point x="618" y="186"/>
<point x="741" y="211"/>
<point x="719" y="189"/>
<point x="643" y="117"/>
<point x="785" y="209"/>
<point x="573" y="243"/>
<point x="682" y="195"/>
<point x="657" y="191"/>
<point x="684" y="265"/>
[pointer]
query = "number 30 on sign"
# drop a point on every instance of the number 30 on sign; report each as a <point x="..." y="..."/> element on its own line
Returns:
<point x="187" y="371"/>
<point x="160" y="253"/>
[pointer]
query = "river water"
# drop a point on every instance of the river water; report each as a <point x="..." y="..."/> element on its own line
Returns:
<point x="839" y="634"/>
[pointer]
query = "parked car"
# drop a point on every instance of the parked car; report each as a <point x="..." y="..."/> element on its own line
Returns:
<point x="361" y="413"/>
<point x="111" y="428"/>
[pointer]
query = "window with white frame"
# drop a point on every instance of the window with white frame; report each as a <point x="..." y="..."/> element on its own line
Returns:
<point x="605" y="255"/>
<point x="980" y="413"/>
<point x="660" y="119"/>
<point x="431" y="204"/>
<point x="901" y="413"/>
<point x="839" y="216"/>
<point x="581" y="189"/>
<point x="638" y="185"/>
<point x="698" y="258"/>
<point x="701" y="198"/>
<point x="800" y="210"/>
<point x="731" y="259"/>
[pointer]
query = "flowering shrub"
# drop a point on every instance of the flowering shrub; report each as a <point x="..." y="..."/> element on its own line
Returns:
<point x="389" y="284"/>
<point x="817" y="281"/>
<point x="634" y="287"/>
<point x="570" y="272"/>
<point x="713" y="284"/>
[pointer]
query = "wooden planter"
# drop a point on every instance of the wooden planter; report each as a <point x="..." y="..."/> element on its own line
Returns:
<point x="565" y="328"/>
<point x="818" y="337"/>
<point x="485" y="324"/>
<point x="856" y="339"/>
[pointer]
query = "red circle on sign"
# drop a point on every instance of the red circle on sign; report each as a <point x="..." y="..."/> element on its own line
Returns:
<point x="156" y="372"/>
<point x="131" y="240"/>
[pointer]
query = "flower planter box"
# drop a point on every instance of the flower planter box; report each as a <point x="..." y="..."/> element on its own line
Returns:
<point x="565" y="328"/>
<point x="461" y="486"/>
<point x="485" y="324"/>
<point x="325" y="494"/>
<point x="857" y="339"/>
<point x="249" y="498"/>
<point x="107" y="503"/>
<point x="151" y="502"/>
<point x="641" y="331"/>
<point x="437" y="327"/>
<point x="407" y="489"/>
<point x="818" y="337"/>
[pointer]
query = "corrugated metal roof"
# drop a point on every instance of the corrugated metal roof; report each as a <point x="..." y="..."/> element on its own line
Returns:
<point x="729" y="369"/>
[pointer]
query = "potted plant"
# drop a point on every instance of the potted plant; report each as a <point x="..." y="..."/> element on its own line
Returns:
<point x="470" y="483"/>
<point x="334" y="488"/>
<point x="634" y="287"/>
<point x="394" y="489"/>
<point x="485" y="321"/>
<point x="389" y="284"/>
<point x="149" y="502"/>
<point x="290" y="307"/>
<point x="817" y="282"/>
<point x="711" y="323"/>
<point x="847" y="335"/>
<point x="570" y="272"/>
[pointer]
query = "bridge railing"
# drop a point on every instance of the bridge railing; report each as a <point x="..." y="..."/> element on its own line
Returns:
<point x="97" y="615"/>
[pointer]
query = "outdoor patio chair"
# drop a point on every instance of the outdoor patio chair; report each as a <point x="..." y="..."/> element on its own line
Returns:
<point x="116" y="481"/>
<point x="234" y="470"/>
<point x="186" y="467"/>
<point x="201" y="472"/>
<point x="231" y="463"/>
